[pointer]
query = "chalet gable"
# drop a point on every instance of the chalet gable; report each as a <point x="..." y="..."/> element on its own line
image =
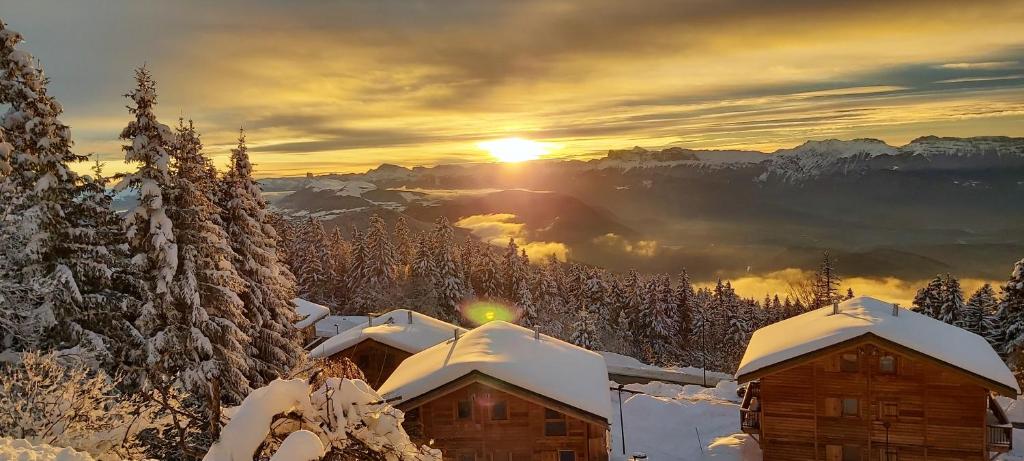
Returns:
<point x="860" y="320"/>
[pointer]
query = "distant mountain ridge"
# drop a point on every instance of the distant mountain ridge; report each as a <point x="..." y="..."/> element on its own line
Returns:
<point x="934" y="204"/>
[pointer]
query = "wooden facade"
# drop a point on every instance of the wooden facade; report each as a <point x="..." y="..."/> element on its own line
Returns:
<point x="479" y="418"/>
<point x="376" y="360"/>
<point x="871" y="399"/>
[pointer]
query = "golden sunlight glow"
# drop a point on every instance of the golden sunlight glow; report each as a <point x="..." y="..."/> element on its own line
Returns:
<point x="511" y="150"/>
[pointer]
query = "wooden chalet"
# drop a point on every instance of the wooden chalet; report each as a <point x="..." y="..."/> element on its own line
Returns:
<point x="505" y="393"/>
<point x="308" y="313"/>
<point x="378" y="346"/>
<point x="866" y="380"/>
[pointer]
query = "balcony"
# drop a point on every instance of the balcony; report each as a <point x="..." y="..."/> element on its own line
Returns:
<point x="750" y="409"/>
<point x="999" y="431"/>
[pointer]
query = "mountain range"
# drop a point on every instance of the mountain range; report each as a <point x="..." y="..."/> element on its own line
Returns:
<point x="933" y="205"/>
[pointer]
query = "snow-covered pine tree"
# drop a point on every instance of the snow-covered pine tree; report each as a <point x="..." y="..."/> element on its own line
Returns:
<point x="1011" y="317"/>
<point x="663" y="320"/>
<point x="979" y="315"/>
<point x="550" y="305"/>
<point x="684" y="297"/>
<point x="109" y="287"/>
<point x="50" y="245"/>
<point x="216" y="362"/>
<point x="356" y="271"/>
<point x="405" y="247"/>
<point x="631" y="318"/>
<point x="338" y="255"/>
<point x="312" y="262"/>
<point x="380" y="271"/>
<point x="593" y="296"/>
<point x="584" y="330"/>
<point x="270" y="288"/>
<point x="419" y="290"/>
<point x="513" y="272"/>
<point x="150" y="232"/>
<point x="928" y="300"/>
<point x="952" y="301"/>
<point x="488" y="274"/>
<point x="449" y="285"/>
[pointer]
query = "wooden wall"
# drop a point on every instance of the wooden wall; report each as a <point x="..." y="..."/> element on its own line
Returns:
<point x="377" y="360"/>
<point x="519" y="438"/>
<point x="933" y="412"/>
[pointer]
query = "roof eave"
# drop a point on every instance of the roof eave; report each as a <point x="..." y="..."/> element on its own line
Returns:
<point x="791" y="362"/>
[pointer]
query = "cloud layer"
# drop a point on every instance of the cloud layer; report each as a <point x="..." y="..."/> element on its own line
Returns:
<point x="342" y="86"/>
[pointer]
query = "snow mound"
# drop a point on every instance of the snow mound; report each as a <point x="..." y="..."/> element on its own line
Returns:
<point x="308" y="312"/>
<point x="402" y="329"/>
<point x="863" y="315"/>
<point x="725" y="391"/>
<point x="511" y="353"/>
<point x="23" y="450"/>
<point x="625" y="365"/>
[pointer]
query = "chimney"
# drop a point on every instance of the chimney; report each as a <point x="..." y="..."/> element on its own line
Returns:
<point x="410" y="317"/>
<point x="369" y="320"/>
<point x="456" y="330"/>
<point x="835" y="308"/>
<point x="536" y="333"/>
<point x="895" y="309"/>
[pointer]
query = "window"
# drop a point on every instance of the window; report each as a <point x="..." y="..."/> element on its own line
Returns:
<point x="848" y="363"/>
<point x="888" y="456"/>
<point x="499" y="411"/>
<point x="851" y="453"/>
<point x="566" y="455"/>
<point x="469" y="456"/>
<point x="554" y="423"/>
<point x="464" y="410"/>
<point x="887" y="365"/>
<point x="851" y="407"/>
<point x="889" y="410"/>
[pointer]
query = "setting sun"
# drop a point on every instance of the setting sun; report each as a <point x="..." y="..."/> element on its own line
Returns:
<point x="512" y="150"/>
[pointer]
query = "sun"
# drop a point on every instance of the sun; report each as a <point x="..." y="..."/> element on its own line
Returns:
<point x="511" y="150"/>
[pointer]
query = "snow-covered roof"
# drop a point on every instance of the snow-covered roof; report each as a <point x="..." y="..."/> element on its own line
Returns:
<point x="309" y="312"/>
<point x="335" y="324"/>
<point x="860" y="316"/>
<point x="546" y="366"/>
<point x="401" y="328"/>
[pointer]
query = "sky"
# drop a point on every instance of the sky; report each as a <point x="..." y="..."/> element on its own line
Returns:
<point x="342" y="86"/>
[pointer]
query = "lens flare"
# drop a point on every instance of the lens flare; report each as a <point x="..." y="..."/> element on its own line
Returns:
<point x="481" y="311"/>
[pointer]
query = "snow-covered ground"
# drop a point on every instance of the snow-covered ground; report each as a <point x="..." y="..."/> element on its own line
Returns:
<point x="673" y="422"/>
<point x="22" y="450"/>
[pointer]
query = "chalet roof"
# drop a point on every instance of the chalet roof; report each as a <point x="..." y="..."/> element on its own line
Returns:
<point x="543" y="365"/>
<point x="308" y="312"/>
<point x="819" y="329"/>
<point x="402" y="329"/>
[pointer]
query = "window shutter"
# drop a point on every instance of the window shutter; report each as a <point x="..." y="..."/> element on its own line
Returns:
<point x="833" y="406"/>
<point x="833" y="453"/>
<point x="832" y="364"/>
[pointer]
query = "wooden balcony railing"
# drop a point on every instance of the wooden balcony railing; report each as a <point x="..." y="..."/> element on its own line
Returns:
<point x="1000" y="438"/>
<point x="750" y="409"/>
<point x="999" y="431"/>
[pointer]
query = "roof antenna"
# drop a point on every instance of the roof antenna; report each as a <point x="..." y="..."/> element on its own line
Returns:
<point x="895" y="309"/>
<point x="835" y="308"/>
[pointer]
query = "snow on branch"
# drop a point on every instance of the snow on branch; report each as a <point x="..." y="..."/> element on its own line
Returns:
<point x="340" y="416"/>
